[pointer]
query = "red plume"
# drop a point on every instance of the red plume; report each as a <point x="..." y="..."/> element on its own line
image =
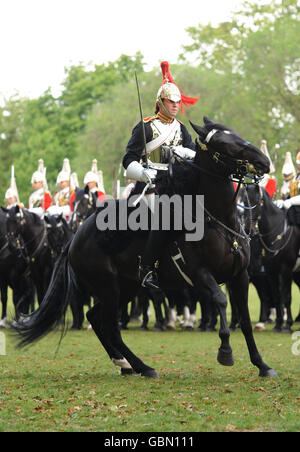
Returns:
<point x="167" y="77"/>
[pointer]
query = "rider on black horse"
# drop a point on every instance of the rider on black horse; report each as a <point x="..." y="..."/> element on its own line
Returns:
<point x="164" y="134"/>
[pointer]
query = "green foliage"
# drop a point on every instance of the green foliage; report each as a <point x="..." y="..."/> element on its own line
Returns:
<point x="51" y="128"/>
<point x="256" y="57"/>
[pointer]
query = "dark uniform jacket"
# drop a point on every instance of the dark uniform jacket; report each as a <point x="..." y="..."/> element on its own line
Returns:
<point x="135" y="146"/>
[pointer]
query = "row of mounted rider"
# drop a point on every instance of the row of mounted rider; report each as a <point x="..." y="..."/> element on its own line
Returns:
<point x="41" y="201"/>
<point x="29" y="248"/>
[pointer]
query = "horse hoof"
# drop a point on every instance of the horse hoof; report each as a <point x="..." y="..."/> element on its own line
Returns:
<point x="287" y="330"/>
<point x="127" y="371"/>
<point x="170" y="328"/>
<point x="225" y="358"/>
<point x="150" y="373"/>
<point x="268" y="373"/>
<point x="188" y="328"/>
<point x="277" y="329"/>
<point x="259" y="327"/>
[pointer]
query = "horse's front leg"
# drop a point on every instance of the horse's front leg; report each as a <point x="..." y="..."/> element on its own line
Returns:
<point x="239" y="286"/>
<point x="218" y="297"/>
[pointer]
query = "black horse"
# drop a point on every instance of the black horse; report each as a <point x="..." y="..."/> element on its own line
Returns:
<point x="85" y="205"/>
<point x="13" y="274"/>
<point x="58" y="234"/>
<point x="27" y="237"/>
<point x="220" y="256"/>
<point x="280" y="242"/>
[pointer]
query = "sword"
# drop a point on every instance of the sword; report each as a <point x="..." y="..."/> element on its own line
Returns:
<point x="143" y="125"/>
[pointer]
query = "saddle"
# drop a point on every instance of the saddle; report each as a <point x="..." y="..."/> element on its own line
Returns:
<point x="115" y="238"/>
<point x="293" y="216"/>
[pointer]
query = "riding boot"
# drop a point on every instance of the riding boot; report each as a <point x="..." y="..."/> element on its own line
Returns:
<point x="147" y="272"/>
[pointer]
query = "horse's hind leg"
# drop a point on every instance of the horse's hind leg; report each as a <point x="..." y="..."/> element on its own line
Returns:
<point x="104" y="320"/>
<point x="239" y="291"/>
<point x="94" y="316"/>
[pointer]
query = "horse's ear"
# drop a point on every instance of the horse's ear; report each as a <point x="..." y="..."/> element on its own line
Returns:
<point x="199" y="130"/>
<point x="46" y="218"/>
<point x="207" y="121"/>
<point x="86" y="190"/>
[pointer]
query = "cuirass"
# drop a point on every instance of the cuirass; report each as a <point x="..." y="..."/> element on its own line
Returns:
<point x="158" y="127"/>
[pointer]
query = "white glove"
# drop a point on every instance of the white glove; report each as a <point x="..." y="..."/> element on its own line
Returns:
<point x="184" y="152"/>
<point x="287" y="203"/>
<point x="283" y="204"/>
<point x="148" y="176"/>
<point x="137" y="172"/>
<point x="279" y="203"/>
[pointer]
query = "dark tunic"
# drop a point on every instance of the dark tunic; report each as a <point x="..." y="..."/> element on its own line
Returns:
<point x="135" y="146"/>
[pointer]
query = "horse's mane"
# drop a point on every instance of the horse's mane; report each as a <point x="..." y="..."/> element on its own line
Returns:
<point x="182" y="182"/>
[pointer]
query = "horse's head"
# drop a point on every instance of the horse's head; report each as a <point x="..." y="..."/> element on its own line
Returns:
<point x="55" y="232"/>
<point x="15" y="224"/>
<point x="228" y="150"/>
<point x="85" y="205"/>
<point x="258" y="206"/>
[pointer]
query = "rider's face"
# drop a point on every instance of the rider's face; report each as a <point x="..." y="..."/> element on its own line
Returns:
<point x="37" y="185"/>
<point x="172" y="107"/>
<point x="63" y="184"/>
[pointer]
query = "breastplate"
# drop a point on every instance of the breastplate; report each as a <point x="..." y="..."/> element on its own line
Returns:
<point x="158" y="127"/>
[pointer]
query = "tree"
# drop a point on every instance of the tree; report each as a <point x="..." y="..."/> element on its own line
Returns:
<point x="11" y="126"/>
<point x="257" y="54"/>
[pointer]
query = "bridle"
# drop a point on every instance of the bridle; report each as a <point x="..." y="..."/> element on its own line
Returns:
<point x="18" y="243"/>
<point x="278" y="236"/>
<point x="79" y="217"/>
<point x="238" y="167"/>
<point x="241" y="171"/>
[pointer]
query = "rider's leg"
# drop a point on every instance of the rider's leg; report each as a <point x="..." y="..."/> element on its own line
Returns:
<point x="147" y="268"/>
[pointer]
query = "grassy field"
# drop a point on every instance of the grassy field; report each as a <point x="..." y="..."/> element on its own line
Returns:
<point x="78" y="389"/>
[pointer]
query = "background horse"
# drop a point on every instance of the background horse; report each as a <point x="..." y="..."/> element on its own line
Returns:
<point x="58" y="234"/>
<point x="220" y="256"/>
<point x="85" y="205"/>
<point x="280" y="243"/>
<point x="13" y="274"/>
<point x="27" y="236"/>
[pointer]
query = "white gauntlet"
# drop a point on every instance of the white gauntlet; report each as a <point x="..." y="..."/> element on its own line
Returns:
<point x="184" y="152"/>
<point x="137" y="172"/>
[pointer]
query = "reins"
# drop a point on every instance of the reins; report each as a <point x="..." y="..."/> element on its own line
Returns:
<point x="240" y="173"/>
<point x="279" y="236"/>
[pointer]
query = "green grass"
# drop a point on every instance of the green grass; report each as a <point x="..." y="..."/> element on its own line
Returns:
<point x="78" y="389"/>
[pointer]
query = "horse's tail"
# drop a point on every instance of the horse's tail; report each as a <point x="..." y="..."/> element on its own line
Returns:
<point x="51" y="311"/>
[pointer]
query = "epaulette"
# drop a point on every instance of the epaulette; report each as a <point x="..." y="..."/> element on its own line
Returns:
<point x="150" y="118"/>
